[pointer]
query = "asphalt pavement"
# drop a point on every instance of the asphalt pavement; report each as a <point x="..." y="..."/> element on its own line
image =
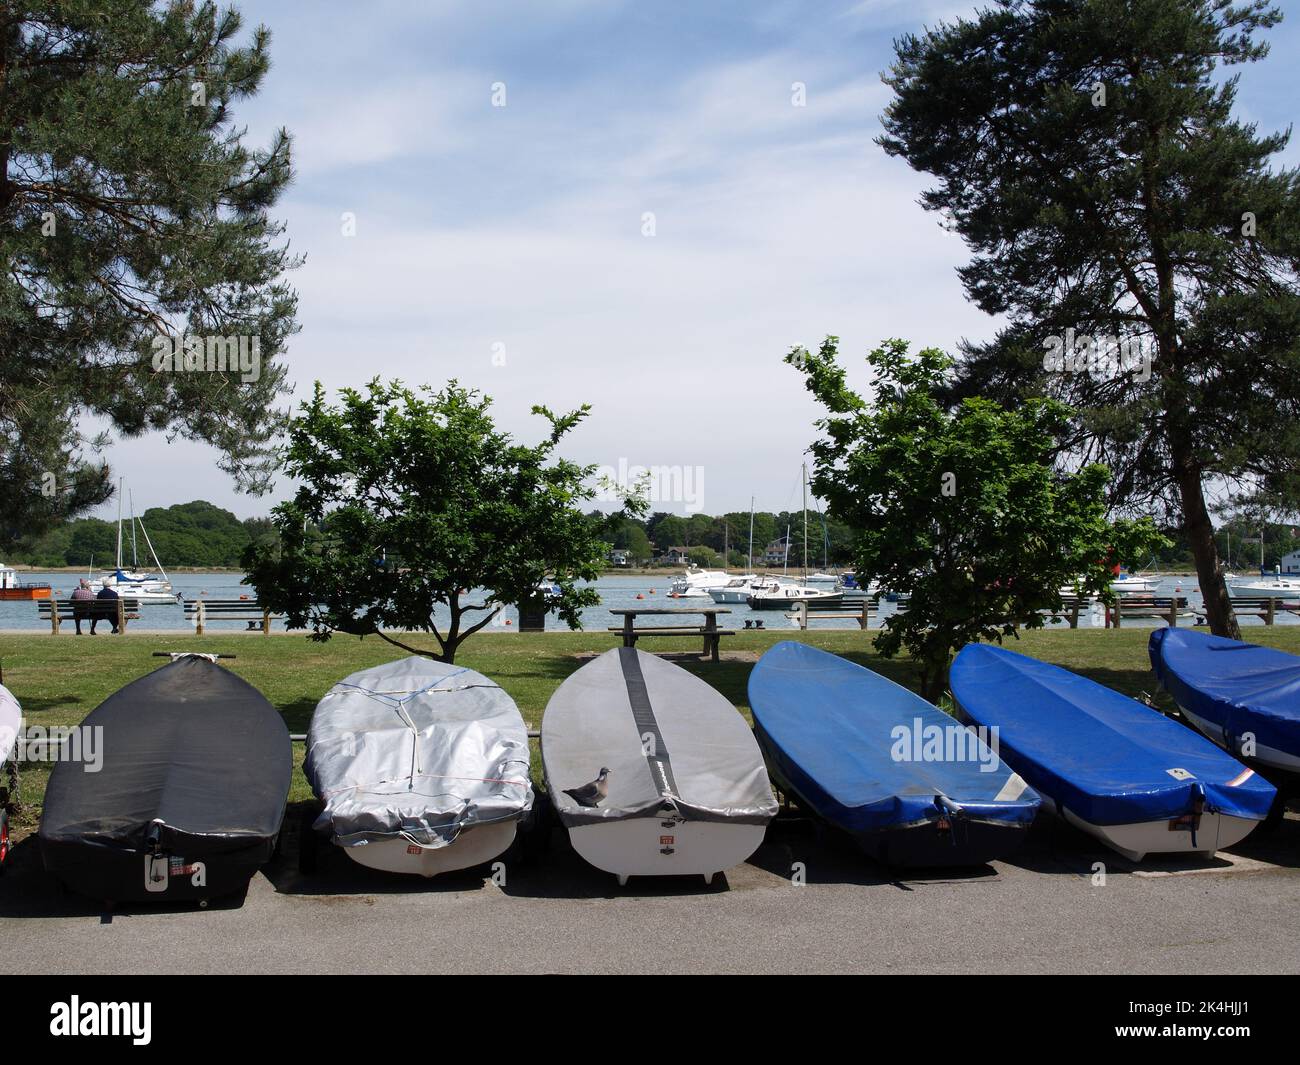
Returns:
<point x="1062" y="904"/>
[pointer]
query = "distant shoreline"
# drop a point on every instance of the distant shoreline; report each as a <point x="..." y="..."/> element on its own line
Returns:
<point x="24" y="568"/>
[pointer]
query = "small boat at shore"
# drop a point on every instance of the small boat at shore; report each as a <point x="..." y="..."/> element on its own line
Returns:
<point x="1244" y="697"/>
<point x="14" y="590"/>
<point x="911" y="786"/>
<point x="188" y="798"/>
<point x="422" y="767"/>
<point x="652" y="771"/>
<point x="1122" y="772"/>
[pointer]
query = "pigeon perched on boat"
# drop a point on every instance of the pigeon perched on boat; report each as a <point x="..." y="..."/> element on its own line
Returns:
<point x="591" y="794"/>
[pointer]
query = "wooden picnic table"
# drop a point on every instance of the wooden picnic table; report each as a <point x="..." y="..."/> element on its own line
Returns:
<point x="709" y="631"/>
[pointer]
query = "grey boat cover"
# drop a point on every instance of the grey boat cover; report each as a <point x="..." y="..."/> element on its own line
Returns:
<point x="416" y="749"/>
<point x="11" y="720"/>
<point x="673" y="745"/>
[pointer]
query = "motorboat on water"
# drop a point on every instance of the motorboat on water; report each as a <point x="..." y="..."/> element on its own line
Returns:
<point x="11" y="588"/>
<point x="785" y="595"/>
<point x="739" y="589"/>
<point x="697" y="582"/>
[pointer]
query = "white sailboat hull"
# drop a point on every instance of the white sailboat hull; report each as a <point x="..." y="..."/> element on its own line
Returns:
<point x="472" y="847"/>
<point x="1269" y="756"/>
<point x="651" y="846"/>
<point x="1136" y="841"/>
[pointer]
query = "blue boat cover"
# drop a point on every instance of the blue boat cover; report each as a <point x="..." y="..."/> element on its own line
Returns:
<point x="1103" y="756"/>
<point x="1241" y="687"/>
<point x="832" y="729"/>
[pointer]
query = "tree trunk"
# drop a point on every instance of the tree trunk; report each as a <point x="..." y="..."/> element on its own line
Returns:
<point x="1200" y="534"/>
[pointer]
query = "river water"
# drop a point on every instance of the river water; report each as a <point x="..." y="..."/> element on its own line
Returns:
<point x="615" y="592"/>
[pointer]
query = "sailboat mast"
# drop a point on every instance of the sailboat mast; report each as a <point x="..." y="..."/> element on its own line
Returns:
<point x="119" y="523"/>
<point x="804" y="486"/>
<point x="135" y="555"/>
<point x="751" y="534"/>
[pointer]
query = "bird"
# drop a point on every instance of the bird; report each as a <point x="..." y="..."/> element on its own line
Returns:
<point x="591" y="794"/>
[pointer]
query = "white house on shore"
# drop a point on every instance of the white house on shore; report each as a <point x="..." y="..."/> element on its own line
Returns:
<point x="1291" y="563"/>
<point x="775" y="553"/>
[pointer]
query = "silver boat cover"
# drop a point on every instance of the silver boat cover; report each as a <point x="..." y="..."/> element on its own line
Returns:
<point x="673" y="745"/>
<point x="416" y="749"/>
<point x="11" y="721"/>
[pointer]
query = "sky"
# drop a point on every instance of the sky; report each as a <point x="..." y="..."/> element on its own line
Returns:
<point x="648" y="225"/>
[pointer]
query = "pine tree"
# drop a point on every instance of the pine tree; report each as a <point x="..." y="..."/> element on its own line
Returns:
<point x="1087" y="152"/>
<point x="130" y="209"/>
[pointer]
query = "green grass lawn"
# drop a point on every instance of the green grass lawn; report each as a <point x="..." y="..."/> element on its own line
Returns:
<point x="59" y="680"/>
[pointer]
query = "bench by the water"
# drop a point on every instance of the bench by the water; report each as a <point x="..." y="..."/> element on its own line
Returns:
<point x="856" y="608"/>
<point x="1160" y="607"/>
<point x="249" y="611"/>
<point x="1264" y="607"/>
<point x="111" y="611"/>
<point x="709" y="631"/>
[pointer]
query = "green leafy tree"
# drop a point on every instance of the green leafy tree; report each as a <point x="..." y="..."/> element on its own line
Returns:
<point x="414" y="500"/>
<point x="962" y="510"/>
<point x="131" y="210"/>
<point x="1087" y="152"/>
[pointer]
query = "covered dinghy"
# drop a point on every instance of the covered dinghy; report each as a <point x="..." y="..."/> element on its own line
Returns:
<point x="652" y="771"/>
<point x="1233" y="692"/>
<point x="1121" y="771"/>
<point x="909" y="784"/>
<point x="188" y="794"/>
<point x="422" y="767"/>
<point x="11" y="720"/>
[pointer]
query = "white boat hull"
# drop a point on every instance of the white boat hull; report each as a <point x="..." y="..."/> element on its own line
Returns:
<point x="651" y="846"/>
<point x="1136" y="841"/>
<point x="472" y="847"/>
<point x="1269" y="756"/>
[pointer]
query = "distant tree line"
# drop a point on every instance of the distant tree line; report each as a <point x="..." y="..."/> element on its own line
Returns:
<point x="708" y="537"/>
<point x="202" y="534"/>
<point x="188" y="534"/>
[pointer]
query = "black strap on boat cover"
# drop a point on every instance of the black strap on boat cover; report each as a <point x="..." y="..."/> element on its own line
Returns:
<point x="661" y="769"/>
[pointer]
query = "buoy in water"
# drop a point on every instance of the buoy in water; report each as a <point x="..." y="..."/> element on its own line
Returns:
<point x="639" y="595"/>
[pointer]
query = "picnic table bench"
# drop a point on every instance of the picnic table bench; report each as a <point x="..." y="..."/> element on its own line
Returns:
<point x="1164" y="608"/>
<point x="202" y="611"/>
<point x="115" y="611"/>
<point x="709" y="631"/>
<point x="857" y="608"/>
<point x="1264" y="607"/>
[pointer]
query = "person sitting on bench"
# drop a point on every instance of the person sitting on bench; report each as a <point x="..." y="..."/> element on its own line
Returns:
<point x="105" y="609"/>
<point x="82" y="600"/>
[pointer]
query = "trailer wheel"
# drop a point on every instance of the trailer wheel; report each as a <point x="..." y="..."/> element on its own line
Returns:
<point x="308" y="845"/>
